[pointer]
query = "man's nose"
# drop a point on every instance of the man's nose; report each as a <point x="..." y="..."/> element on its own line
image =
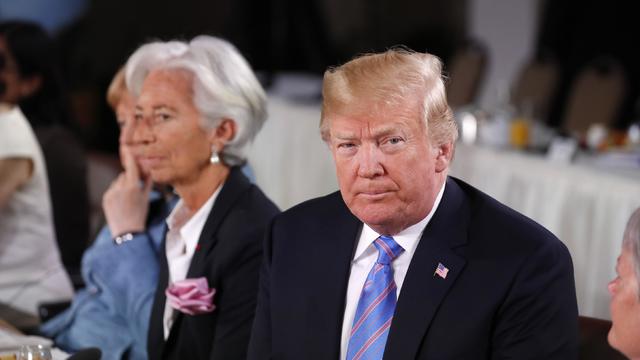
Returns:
<point x="369" y="164"/>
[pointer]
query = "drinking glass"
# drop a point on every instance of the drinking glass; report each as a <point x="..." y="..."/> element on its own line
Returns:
<point x="34" y="352"/>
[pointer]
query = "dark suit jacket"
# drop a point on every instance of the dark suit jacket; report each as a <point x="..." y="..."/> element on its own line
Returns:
<point x="229" y="255"/>
<point x="509" y="293"/>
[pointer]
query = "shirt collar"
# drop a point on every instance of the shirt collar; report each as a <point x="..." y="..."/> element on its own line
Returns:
<point x="407" y="238"/>
<point x="191" y="228"/>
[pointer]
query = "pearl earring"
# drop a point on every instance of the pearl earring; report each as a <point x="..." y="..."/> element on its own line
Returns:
<point x="214" y="158"/>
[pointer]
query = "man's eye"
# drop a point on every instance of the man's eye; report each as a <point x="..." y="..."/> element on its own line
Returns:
<point x="346" y="145"/>
<point x="393" y="141"/>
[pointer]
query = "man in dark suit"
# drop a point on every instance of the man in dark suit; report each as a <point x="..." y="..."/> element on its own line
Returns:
<point x="405" y="262"/>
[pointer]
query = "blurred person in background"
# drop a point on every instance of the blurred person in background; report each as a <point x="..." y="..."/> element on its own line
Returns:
<point x="625" y="293"/>
<point x="199" y="106"/>
<point x="31" y="271"/>
<point x="32" y="80"/>
<point x="112" y="312"/>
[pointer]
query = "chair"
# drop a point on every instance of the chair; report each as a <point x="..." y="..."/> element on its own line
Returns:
<point x="596" y="96"/>
<point x="593" y="340"/>
<point x="465" y="74"/>
<point x="535" y="87"/>
<point x="67" y="173"/>
<point x="102" y="170"/>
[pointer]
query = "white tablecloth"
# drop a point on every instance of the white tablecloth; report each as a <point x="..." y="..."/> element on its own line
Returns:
<point x="586" y="207"/>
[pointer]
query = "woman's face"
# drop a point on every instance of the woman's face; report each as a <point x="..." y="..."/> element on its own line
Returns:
<point x="125" y="115"/>
<point x="625" y="307"/>
<point x="167" y="137"/>
<point x="9" y="75"/>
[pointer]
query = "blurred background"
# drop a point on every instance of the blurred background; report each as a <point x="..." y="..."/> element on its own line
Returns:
<point x="95" y="37"/>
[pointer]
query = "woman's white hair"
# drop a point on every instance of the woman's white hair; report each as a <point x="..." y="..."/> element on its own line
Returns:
<point x="631" y="241"/>
<point x="224" y="86"/>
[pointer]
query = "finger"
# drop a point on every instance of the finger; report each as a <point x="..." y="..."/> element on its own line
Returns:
<point x="148" y="184"/>
<point x="132" y="174"/>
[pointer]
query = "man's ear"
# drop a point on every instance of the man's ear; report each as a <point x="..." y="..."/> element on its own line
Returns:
<point x="223" y="133"/>
<point x="30" y="85"/>
<point x="443" y="156"/>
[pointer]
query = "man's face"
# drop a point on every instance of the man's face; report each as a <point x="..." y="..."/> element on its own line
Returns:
<point x="388" y="170"/>
<point x="625" y="307"/>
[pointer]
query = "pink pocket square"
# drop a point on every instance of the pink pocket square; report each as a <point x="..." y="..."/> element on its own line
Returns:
<point x="191" y="296"/>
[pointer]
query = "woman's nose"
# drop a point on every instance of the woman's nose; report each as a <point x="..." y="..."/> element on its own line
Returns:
<point x="611" y="287"/>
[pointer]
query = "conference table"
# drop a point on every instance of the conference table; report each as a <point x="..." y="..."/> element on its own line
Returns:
<point x="584" y="206"/>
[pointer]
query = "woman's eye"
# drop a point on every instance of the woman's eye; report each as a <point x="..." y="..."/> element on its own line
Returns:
<point x="161" y="117"/>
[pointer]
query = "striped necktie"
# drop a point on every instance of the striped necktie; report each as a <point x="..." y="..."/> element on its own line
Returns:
<point x="376" y="305"/>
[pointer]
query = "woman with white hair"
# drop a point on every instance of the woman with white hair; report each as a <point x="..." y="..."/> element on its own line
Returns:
<point x="625" y="293"/>
<point x="199" y="106"/>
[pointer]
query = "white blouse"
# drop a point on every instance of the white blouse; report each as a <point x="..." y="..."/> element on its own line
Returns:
<point x="31" y="271"/>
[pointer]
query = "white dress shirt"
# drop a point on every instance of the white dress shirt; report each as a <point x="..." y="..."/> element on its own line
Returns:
<point x="365" y="257"/>
<point x="182" y="240"/>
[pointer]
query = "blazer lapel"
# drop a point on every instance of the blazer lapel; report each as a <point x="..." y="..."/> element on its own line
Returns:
<point x="155" y="338"/>
<point x="423" y="290"/>
<point x="235" y="185"/>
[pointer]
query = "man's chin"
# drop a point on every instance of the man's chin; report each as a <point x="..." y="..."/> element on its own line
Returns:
<point x="376" y="217"/>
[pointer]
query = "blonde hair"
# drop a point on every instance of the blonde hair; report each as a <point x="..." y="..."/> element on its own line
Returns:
<point x="395" y="78"/>
<point x="117" y="88"/>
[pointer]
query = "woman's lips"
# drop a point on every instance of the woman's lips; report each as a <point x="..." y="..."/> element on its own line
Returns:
<point x="149" y="162"/>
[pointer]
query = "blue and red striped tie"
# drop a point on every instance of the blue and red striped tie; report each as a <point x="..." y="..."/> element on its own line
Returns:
<point x="376" y="305"/>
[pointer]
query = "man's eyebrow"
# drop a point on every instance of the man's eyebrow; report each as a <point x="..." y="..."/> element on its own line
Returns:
<point x="346" y="135"/>
<point x="385" y="130"/>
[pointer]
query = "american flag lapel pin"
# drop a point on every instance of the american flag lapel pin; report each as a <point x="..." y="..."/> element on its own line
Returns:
<point x="441" y="271"/>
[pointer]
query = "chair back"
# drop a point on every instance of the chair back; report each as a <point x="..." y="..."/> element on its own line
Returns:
<point x="593" y="340"/>
<point x="102" y="170"/>
<point x="466" y="71"/>
<point x="536" y="87"/>
<point x="66" y="165"/>
<point x="596" y="96"/>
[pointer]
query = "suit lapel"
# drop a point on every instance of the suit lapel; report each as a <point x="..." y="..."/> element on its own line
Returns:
<point x="333" y="252"/>
<point x="235" y="185"/>
<point x="156" y="326"/>
<point x="423" y="290"/>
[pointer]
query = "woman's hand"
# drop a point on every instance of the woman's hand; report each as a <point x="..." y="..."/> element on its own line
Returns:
<point x="126" y="202"/>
